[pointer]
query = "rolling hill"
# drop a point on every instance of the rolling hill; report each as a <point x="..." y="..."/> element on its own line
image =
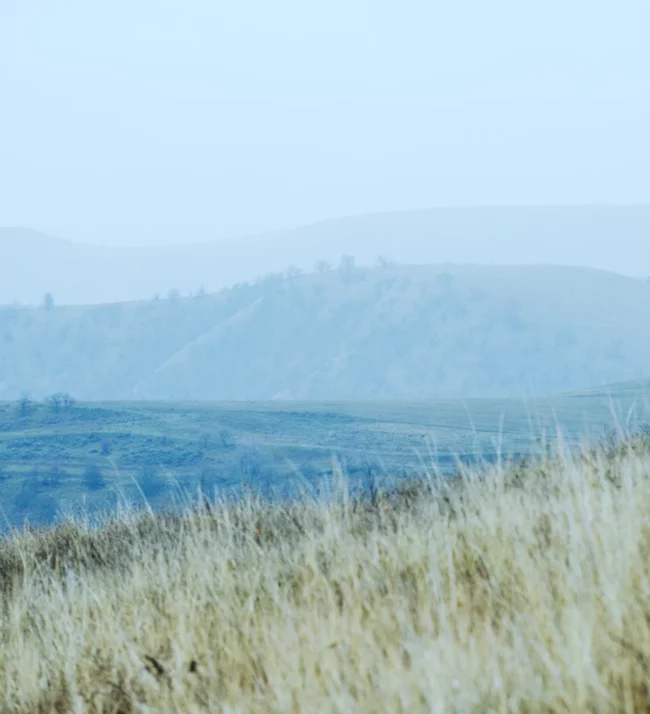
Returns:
<point x="603" y="237"/>
<point x="401" y="332"/>
<point x="84" y="455"/>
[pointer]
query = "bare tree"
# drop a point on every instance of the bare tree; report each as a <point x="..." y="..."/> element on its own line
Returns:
<point x="293" y="271"/>
<point x="269" y="279"/>
<point x="24" y="405"/>
<point x="322" y="266"/>
<point x="383" y="261"/>
<point x="446" y="281"/>
<point x="347" y="263"/>
<point x="48" y="302"/>
<point x="347" y="267"/>
<point x="54" y="402"/>
<point x="60" y="400"/>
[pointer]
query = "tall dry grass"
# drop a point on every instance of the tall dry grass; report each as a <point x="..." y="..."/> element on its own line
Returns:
<point x="515" y="589"/>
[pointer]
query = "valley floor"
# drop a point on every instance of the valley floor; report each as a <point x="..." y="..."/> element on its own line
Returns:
<point x="95" y="454"/>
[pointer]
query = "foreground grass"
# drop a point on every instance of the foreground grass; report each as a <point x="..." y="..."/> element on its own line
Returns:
<point x="514" y="589"/>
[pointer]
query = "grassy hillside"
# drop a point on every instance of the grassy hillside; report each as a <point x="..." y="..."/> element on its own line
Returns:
<point x="519" y="590"/>
<point x="567" y="235"/>
<point x="395" y="333"/>
<point x="621" y="390"/>
<point x="90" y="453"/>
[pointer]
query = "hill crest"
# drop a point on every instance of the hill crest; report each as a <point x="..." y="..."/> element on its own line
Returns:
<point x="402" y="332"/>
<point x="563" y="235"/>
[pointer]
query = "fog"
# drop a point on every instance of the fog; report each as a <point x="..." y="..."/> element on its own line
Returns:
<point x="243" y="242"/>
<point x="605" y="238"/>
<point x="156" y="122"/>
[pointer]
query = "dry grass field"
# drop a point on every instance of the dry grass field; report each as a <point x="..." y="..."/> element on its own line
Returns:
<point x="514" y="588"/>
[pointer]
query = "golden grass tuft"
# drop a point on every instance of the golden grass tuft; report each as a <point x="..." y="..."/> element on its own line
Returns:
<point x="523" y="589"/>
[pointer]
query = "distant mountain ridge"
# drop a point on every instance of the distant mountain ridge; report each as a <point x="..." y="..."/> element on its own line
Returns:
<point x="616" y="238"/>
<point x="28" y="239"/>
<point x="399" y="332"/>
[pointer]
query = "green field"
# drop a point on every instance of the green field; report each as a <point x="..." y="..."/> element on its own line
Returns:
<point x="87" y="454"/>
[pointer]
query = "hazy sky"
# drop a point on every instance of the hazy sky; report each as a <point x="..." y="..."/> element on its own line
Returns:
<point x="153" y="121"/>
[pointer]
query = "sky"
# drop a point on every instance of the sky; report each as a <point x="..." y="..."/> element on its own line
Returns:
<point x="150" y="122"/>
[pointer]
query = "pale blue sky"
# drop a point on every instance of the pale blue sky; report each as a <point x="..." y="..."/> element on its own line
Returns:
<point x="147" y="121"/>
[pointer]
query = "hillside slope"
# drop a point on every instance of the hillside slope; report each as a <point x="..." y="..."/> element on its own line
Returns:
<point x="604" y="237"/>
<point x="403" y="332"/>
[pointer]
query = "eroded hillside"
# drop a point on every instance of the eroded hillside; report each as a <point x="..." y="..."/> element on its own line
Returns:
<point x="395" y="332"/>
